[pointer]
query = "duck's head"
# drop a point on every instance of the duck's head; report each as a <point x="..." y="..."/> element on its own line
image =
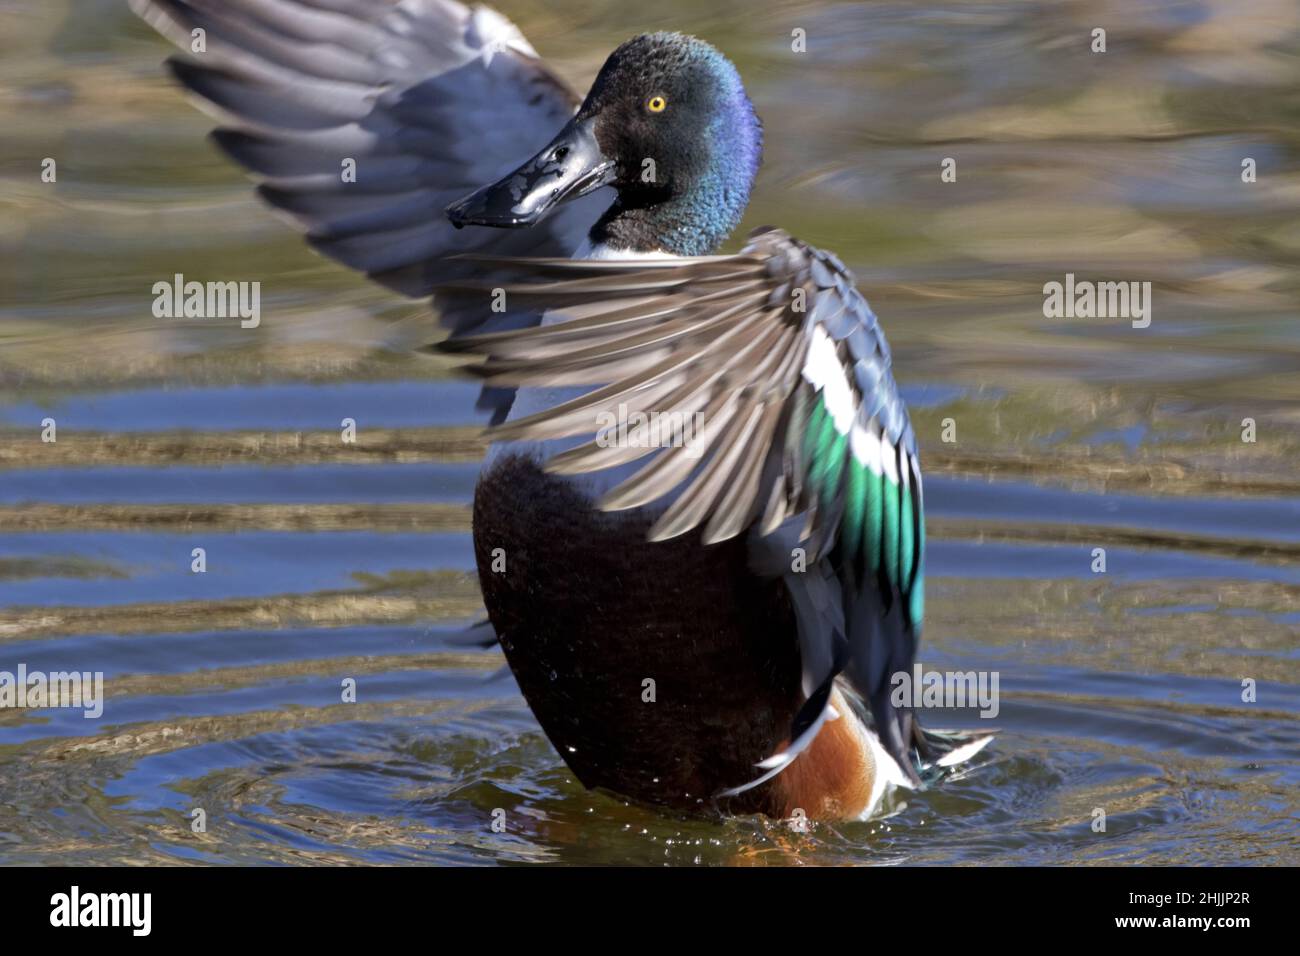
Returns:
<point x="668" y="125"/>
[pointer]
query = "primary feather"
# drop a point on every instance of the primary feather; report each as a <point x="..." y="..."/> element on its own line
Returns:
<point x="426" y="98"/>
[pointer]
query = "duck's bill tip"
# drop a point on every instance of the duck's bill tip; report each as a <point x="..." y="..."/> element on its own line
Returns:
<point x="483" y="208"/>
<point x="570" y="166"/>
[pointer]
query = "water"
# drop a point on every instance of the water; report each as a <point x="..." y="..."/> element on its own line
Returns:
<point x="1120" y="691"/>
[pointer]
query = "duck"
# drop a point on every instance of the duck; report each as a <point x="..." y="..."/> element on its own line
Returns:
<point x="699" y="529"/>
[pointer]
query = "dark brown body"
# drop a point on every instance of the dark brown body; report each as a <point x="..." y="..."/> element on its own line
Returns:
<point x="587" y="610"/>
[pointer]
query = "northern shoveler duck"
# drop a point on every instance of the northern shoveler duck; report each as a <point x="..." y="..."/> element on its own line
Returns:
<point x="707" y="620"/>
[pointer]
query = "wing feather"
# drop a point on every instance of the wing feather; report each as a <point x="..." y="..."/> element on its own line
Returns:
<point x="426" y="99"/>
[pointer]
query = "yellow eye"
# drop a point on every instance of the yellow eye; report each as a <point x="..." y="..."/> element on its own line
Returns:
<point x="656" y="104"/>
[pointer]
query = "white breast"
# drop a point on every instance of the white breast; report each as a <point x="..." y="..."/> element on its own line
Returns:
<point x="590" y="250"/>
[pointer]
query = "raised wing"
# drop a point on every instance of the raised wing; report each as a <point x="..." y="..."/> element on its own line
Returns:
<point x="779" y="365"/>
<point x="362" y="119"/>
<point x="773" y="353"/>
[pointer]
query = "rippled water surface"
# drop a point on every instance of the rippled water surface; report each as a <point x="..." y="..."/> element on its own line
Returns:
<point x="1120" y="691"/>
